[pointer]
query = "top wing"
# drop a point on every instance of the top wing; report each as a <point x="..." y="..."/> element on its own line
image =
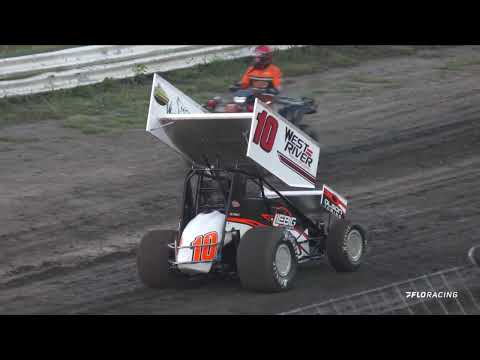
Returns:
<point x="263" y="137"/>
<point x="197" y="135"/>
<point x="207" y="138"/>
<point x="165" y="99"/>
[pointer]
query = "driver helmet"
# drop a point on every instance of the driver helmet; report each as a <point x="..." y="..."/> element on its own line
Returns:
<point x="263" y="56"/>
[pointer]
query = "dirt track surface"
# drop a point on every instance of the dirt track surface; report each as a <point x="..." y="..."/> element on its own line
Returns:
<point x="400" y="139"/>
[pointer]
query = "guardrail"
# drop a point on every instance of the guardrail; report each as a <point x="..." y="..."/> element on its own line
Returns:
<point x="23" y="66"/>
<point x="87" y="65"/>
<point x="455" y="291"/>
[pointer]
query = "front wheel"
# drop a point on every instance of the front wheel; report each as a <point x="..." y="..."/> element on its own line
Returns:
<point x="153" y="257"/>
<point x="346" y="246"/>
<point x="266" y="260"/>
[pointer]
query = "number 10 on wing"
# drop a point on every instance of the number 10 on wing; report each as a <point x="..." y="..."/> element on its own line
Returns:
<point x="265" y="131"/>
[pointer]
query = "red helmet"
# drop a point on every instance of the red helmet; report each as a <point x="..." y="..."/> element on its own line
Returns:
<point x="263" y="56"/>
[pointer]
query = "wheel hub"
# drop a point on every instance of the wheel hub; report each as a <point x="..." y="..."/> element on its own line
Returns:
<point x="354" y="245"/>
<point x="283" y="260"/>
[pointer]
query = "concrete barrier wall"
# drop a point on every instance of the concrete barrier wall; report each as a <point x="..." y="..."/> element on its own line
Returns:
<point x="87" y="65"/>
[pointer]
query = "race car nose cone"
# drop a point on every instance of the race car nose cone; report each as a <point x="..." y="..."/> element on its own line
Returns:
<point x="474" y="255"/>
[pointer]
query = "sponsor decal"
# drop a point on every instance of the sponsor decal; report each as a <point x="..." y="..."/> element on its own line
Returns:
<point x="174" y="106"/>
<point x="284" y="220"/>
<point x="297" y="148"/>
<point x="297" y="155"/>
<point x="177" y="107"/>
<point x="160" y="96"/>
<point x="335" y="210"/>
<point x="333" y="202"/>
<point x="277" y="210"/>
<point x="205" y="247"/>
<point x="290" y="164"/>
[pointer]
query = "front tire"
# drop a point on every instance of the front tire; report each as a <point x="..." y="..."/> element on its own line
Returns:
<point x="152" y="258"/>
<point x="266" y="260"/>
<point x="346" y="246"/>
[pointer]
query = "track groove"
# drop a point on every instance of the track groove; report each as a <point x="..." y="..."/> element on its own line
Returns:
<point x="407" y="158"/>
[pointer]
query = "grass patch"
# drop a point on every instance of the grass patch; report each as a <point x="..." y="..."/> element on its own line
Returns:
<point x="21" y="50"/>
<point x="93" y="109"/>
<point x="116" y="105"/>
<point x="460" y="64"/>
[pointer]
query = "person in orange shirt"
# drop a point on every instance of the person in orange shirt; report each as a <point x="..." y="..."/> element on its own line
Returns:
<point x="263" y="75"/>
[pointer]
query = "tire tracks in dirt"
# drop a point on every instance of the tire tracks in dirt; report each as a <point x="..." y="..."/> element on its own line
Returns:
<point x="406" y="158"/>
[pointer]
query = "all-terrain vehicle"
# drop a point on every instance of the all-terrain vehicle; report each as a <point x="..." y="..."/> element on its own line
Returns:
<point x="243" y="100"/>
<point x="233" y="218"/>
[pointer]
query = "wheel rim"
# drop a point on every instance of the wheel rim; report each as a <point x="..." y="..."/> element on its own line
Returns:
<point x="354" y="245"/>
<point x="283" y="260"/>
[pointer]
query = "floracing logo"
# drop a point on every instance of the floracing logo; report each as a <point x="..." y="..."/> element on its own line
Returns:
<point x="297" y="148"/>
<point x="431" y="294"/>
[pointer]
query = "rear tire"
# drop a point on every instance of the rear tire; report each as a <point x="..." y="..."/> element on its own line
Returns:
<point x="346" y="246"/>
<point x="266" y="261"/>
<point x="152" y="258"/>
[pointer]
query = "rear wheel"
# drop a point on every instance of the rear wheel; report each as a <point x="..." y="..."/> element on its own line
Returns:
<point x="266" y="260"/>
<point x="346" y="245"/>
<point x="152" y="258"/>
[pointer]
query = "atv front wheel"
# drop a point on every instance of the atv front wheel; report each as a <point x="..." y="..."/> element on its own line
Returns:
<point x="346" y="245"/>
<point x="266" y="260"/>
<point x="152" y="258"/>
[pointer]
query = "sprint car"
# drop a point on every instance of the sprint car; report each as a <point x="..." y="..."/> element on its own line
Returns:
<point x="233" y="218"/>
